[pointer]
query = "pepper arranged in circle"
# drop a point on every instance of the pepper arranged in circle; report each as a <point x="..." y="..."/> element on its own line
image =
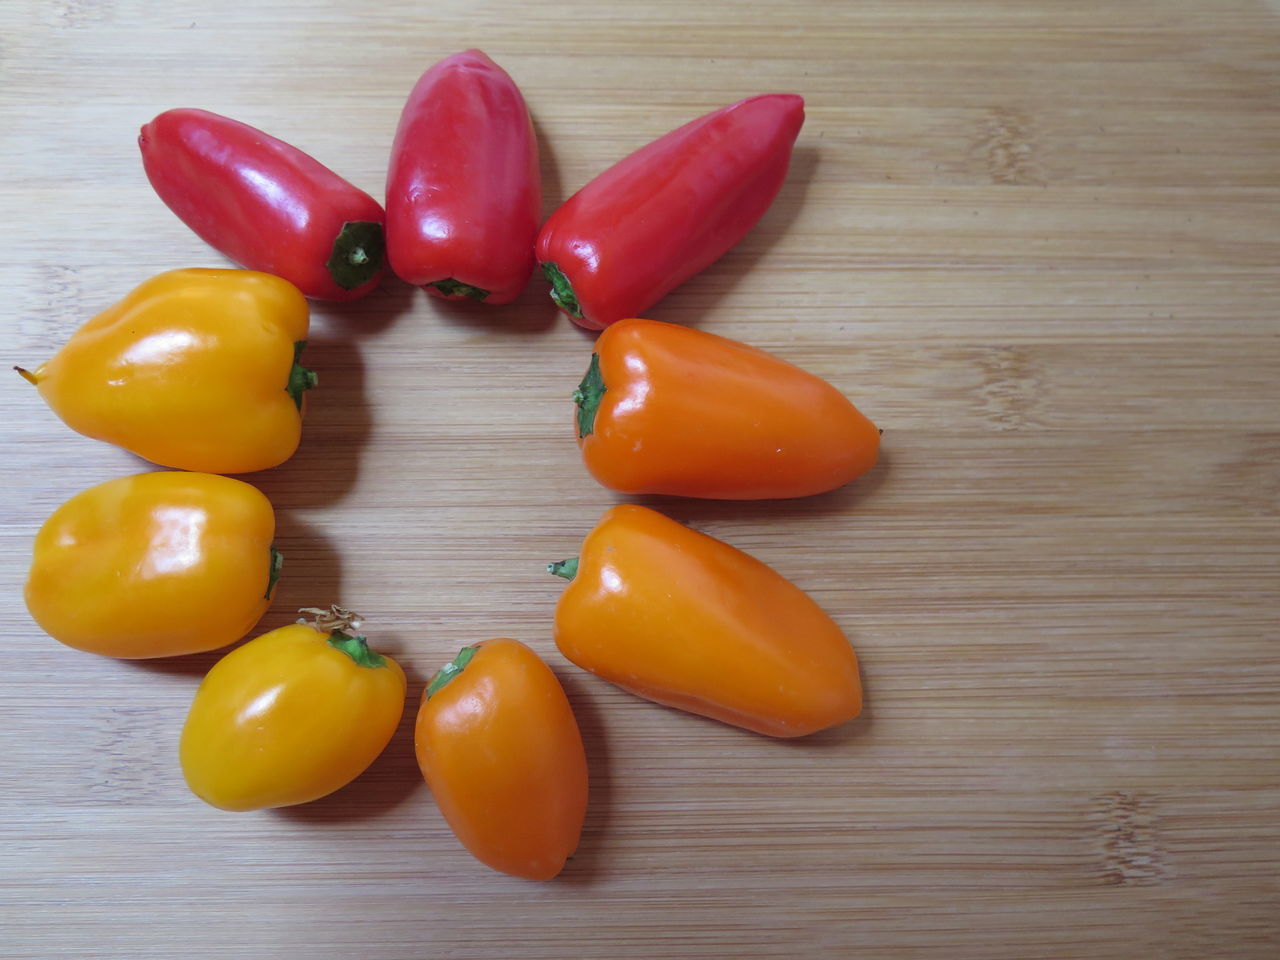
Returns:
<point x="195" y="369"/>
<point x="265" y="204"/>
<point x="688" y="621"/>
<point x="155" y="565"/>
<point x="464" y="186"/>
<point x="668" y="409"/>
<point x="199" y="369"/>
<point x="499" y="746"/>
<point x="663" y="214"/>
<point x="291" y="716"/>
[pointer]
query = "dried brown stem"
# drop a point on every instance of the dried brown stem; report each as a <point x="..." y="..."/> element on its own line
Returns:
<point x="335" y="618"/>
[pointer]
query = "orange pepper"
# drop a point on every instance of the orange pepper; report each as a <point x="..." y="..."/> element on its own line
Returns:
<point x="195" y="369"/>
<point x="155" y="565"/>
<point x="499" y="746"/>
<point x="688" y="621"/>
<point x="667" y="409"/>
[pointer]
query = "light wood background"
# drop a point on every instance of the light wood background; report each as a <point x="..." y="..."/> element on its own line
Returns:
<point x="1036" y="242"/>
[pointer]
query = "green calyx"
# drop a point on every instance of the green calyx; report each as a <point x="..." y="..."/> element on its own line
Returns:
<point x="456" y="288"/>
<point x="564" y="568"/>
<point x="450" y="670"/>
<point x="588" y="395"/>
<point x="562" y="290"/>
<point x="357" y="648"/>
<point x="300" y="378"/>
<point x="357" y="254"/>
<point x="273" y="575"/>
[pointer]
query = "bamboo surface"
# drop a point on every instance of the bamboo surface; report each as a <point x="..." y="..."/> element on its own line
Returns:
<point x="1036" y="242"/>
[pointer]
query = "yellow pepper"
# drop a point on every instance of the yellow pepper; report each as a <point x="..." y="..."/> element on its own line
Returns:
<point x="195" y="369"/>
<point x="155" y="565"/>
<point x="291" y="716"/>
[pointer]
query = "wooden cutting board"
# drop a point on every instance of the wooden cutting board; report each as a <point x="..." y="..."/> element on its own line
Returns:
<point x="1036" y="242"/>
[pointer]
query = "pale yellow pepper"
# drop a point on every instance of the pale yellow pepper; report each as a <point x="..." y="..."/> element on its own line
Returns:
<point x="290" y="716"/>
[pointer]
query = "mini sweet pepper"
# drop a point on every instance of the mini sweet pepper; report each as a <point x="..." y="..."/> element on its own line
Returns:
<point x="195" y="369"/>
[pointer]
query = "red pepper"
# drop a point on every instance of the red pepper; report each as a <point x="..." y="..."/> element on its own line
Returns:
<point x="653" y="220"/>
<point x="265" y="204"/>
<point x="464" y="187"/>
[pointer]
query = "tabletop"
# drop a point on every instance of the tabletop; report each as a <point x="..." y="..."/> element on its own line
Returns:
<point x="1035" y="242"/>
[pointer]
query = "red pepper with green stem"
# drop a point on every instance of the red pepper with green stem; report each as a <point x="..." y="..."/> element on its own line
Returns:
<point x="464" y="185"/>
<point x="653" y="220"/>
<point x="265" y="204"/>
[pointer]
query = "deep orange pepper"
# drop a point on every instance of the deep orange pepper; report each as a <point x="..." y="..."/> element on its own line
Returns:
<point x="688" y="621"/>
<point x="499" y="746"/>
<point x="668" y="409"/>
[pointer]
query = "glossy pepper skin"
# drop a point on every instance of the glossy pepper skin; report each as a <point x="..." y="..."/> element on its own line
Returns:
<point x="688" y="621"/>
<point x="668" y="409"/>
<point x="195" y="369"/>
<point x="290" y="717"/>
<point x="653" y="220"/>
<point x="155" y="565"/>
<point x="464" y="185"/>
<point x="265" y="204"/>
<point x="499" y="746"/>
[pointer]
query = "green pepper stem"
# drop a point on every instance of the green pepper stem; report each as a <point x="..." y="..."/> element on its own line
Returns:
<point x="562" y="290"/>
<point x="588" y="395"/>
<point x="450" y="670"/>
<point x="450" y="287"/>
<point x="277" y="564"/>
<point x="357" y="253"/>
<point x="357" y="648"/>
<point x="564" y="568"/>
<point x="300" y="378"/>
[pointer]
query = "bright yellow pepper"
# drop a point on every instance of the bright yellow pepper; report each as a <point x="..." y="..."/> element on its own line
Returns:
<point x="155" y="565"/>
<point x="195" y="369"/>
<point x="290" y="716"/>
